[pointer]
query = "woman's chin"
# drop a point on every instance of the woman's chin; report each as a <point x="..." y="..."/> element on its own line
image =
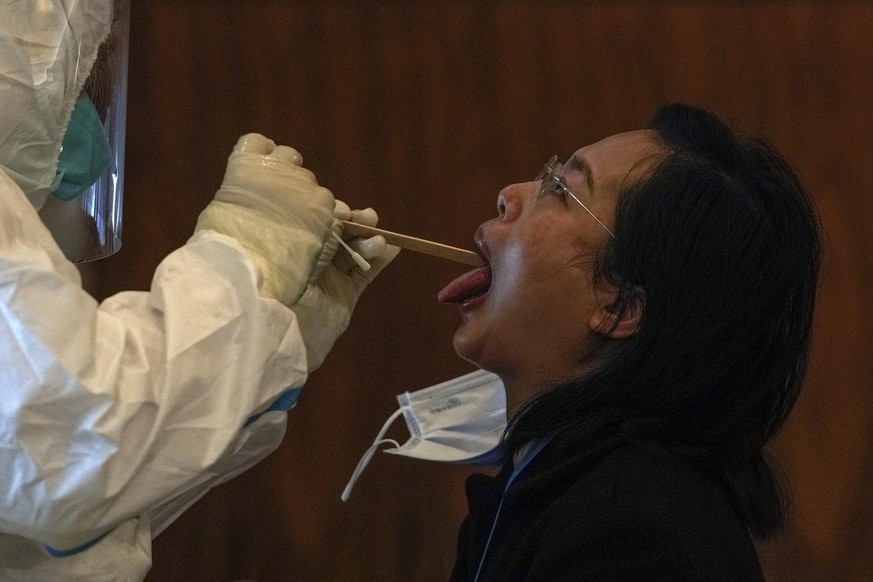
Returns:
<point x="471" y="345"/>
<point x="468" y="345"/>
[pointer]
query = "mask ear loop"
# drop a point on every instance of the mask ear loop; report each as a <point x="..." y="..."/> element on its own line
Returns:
<point x="368" y="455"/>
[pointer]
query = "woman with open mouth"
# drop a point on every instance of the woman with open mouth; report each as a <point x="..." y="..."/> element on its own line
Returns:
<point x="647" y="305"/>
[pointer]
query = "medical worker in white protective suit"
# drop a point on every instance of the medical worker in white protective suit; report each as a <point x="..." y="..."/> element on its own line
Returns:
<point x="115" y="417"/>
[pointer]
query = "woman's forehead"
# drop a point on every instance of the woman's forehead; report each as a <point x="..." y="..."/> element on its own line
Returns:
<point x="629" y="145"/>
<point x="613" y="158"/>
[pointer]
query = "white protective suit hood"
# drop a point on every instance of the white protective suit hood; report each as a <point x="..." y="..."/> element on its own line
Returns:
<point x="48" y="49"/>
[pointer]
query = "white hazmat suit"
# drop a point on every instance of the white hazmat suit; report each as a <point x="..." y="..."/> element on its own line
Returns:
<point x="115" y="417"/>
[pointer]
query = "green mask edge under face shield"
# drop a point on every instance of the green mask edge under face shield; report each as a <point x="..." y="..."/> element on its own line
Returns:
<point x="86" y="153"/>
<point x="84" y="215"/>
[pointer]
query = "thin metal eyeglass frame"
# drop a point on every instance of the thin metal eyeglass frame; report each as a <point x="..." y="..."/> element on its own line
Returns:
<point x="550" y="180"/>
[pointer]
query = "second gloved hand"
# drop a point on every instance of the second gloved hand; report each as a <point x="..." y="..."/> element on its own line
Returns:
<point x="324" y="311"/>
<point x="275" y="208"/>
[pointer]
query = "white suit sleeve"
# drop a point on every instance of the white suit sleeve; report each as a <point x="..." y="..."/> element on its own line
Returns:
<point x="109" y="410"/>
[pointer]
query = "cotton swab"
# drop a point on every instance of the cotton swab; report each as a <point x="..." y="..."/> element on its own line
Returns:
<point x="359" y="260"/>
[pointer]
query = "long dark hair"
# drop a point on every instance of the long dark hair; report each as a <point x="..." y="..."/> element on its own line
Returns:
<point x="719" y="242"/>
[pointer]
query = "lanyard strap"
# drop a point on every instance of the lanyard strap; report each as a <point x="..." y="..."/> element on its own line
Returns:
<point x="520" y="464"/>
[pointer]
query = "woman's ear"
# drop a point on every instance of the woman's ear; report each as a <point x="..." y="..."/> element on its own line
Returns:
<point x="618" y="317"/>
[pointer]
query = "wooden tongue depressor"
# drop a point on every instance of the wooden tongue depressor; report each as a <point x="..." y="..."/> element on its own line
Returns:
<point x="418" y="245"/>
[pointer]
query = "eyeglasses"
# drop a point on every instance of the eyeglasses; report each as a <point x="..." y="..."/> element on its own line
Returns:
<point x="552" y="182"/>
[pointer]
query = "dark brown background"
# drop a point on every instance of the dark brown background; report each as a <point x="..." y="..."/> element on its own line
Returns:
<point x="424" y="110"/>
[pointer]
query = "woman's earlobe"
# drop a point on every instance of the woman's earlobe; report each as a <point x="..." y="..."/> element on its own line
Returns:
<point x="619" y="317"/>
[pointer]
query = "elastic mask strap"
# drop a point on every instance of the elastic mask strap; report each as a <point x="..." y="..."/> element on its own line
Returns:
<point x="365" y="460"/>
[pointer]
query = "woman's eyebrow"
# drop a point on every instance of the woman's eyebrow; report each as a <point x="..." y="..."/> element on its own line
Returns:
<point x="581" y="165"/>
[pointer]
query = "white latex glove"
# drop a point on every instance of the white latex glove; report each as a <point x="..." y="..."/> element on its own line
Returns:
<point x="274" y="206"/>
<point x="324" y="311"/>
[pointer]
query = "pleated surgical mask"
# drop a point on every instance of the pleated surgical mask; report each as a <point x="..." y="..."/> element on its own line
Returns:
<point x="458" y="421"/>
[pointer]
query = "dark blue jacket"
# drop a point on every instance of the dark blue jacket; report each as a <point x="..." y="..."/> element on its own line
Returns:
<point x="616" y="511"/>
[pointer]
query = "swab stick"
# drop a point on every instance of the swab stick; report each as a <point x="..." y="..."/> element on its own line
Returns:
<point x="418" y="245"/>
<point x="359" y="260"/>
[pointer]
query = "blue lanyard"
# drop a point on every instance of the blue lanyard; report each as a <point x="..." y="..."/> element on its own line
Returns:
<point x="532" y="451"/>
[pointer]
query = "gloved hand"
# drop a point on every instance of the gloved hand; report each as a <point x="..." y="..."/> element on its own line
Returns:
<point x="324" y="311"/>
<point x="276" y="209"/>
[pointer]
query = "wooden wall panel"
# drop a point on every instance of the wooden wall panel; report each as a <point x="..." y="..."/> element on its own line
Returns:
<point x="424" y="110"/>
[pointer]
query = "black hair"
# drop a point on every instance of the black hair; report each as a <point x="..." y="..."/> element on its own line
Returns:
<point x="719" y="242"/>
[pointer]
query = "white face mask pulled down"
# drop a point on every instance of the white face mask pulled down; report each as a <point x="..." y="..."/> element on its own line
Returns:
<point x="457" y="421"/>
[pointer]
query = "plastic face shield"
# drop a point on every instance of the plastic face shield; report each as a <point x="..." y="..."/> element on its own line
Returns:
<point x="84" y="212"/>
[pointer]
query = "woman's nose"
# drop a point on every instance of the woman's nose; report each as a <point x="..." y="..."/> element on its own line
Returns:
<point x="510" y="201"/>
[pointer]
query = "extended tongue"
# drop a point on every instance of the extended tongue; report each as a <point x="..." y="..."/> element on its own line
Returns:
<point x="470" y="283"/>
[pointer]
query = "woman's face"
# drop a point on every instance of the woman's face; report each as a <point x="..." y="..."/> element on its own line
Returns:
<point x="528" y="317"/>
